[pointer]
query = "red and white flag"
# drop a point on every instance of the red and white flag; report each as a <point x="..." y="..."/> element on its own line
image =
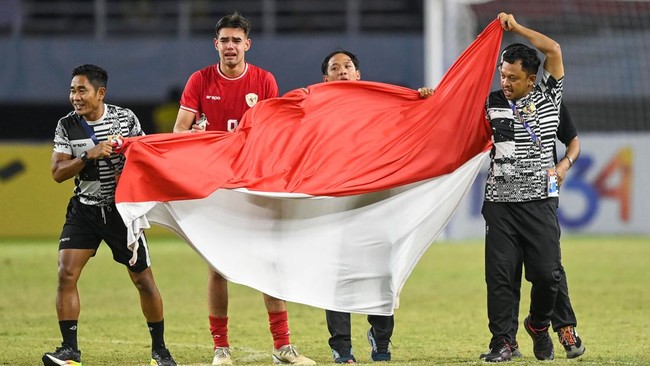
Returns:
<point x="327" y="196"/>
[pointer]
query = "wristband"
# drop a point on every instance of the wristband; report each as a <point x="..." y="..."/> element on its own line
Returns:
<point x="570" y="160"/>
<point x="84" y="157"/>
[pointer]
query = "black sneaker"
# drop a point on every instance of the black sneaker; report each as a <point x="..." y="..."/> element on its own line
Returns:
<point x="571" y="341"/>
<point x="499" y="352"/>
<point x="542" y="343"/>
<point x="514" y="349"/>
<point x="64" y="355"/>
<point x="162" y="357"/>
<point x="379" y="351"/>
<point x="343" y="356"/>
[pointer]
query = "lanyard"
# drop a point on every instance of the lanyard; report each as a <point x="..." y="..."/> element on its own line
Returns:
<point x="537" y="141"/>
<point x="91" y="133"/>
<point x="89" y="130"/>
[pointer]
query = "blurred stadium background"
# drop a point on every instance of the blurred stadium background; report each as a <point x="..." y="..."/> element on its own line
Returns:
<point x="151" y="47"/>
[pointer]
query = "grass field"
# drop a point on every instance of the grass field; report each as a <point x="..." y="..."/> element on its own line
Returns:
<point x="442" y="319"/>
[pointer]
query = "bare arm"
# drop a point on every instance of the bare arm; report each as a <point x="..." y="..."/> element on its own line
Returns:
<point x="65" y="167"/>
<point x="185" y="122"/>
<point x="551" y="49"/>
<point x="570" y="157"/>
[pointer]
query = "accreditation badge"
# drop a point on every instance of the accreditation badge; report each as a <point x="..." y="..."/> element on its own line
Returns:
<point x="551" y="180"/>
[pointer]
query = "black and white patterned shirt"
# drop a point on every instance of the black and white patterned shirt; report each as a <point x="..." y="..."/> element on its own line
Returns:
<point x="95" y="184"/>
<point x="518" y="166"/>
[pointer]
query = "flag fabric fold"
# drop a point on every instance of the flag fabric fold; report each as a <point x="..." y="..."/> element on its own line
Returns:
<point x="326" y="196"/>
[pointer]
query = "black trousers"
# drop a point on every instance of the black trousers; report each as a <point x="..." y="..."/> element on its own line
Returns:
<point x="339" y="327"/>
<point x="518" y="232"/>
<point x="563" y="313"/>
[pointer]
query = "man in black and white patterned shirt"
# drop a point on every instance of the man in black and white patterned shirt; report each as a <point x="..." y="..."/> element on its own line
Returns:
<point x="521" y="193"/>
<point x="564" y="319"/>
<point x="83" y="150"/>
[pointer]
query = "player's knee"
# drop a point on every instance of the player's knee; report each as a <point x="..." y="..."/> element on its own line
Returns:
<point x="144" y="282"/>
<point x="545" y="278"/>
<point x="68" y="276"/>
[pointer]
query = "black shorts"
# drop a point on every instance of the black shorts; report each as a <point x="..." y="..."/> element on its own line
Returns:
<point x="86" y="226"/>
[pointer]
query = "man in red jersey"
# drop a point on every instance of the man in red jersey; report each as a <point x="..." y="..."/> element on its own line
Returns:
<point x="215" y="98"/>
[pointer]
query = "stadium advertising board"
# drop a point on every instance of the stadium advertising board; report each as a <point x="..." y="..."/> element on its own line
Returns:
<point x="605" y="192"/>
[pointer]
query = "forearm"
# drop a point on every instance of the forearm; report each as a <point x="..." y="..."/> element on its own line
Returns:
<point x="184" y="121"/>
<point x="64" y="166"/>
<point x="543" y="43"/>
<point x="572" y="151"/>
<point x="551" y="49"/>
<point x="63" y="170"/>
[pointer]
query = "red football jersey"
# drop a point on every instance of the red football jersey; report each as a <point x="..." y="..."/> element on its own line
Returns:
<point x="224" y="100"/>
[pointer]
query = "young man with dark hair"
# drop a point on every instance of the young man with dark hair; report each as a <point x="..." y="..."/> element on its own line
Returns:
<point x="215" y="98"/>
<point x="83" y="150"/>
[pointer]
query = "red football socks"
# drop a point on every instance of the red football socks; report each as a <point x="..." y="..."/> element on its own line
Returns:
<point x="279" y="326"/>
<point x="219" y="331"/>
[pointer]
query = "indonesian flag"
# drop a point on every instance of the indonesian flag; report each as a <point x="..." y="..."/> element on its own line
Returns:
<point x="327" y="196"/>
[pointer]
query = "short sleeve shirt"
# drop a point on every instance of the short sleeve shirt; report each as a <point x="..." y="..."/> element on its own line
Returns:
<point x="519" y="166"/>
<point x="566" y="131"/>
<point x="95" y="184"/>
<point x="224" y="100"/>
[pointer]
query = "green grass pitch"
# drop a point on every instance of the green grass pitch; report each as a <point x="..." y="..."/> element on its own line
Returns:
<point x="441" y="320"/>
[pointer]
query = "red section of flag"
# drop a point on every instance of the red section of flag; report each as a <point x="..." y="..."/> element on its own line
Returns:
<point x="334" y="139"/>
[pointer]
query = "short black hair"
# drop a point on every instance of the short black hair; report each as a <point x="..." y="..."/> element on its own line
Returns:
<point x="234" y="20"/>
<point x="529" y="60"/>
<point x="97" y="76"/>
<point x="326" y="61"/>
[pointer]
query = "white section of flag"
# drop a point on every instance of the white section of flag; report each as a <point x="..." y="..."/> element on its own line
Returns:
<point x="351" y="253"/>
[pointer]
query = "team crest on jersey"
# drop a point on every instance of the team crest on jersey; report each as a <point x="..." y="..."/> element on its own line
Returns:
<point x="251" y="99"/>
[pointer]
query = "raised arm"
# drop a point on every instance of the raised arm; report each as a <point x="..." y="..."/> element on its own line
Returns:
<point x="551" y="49"/>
